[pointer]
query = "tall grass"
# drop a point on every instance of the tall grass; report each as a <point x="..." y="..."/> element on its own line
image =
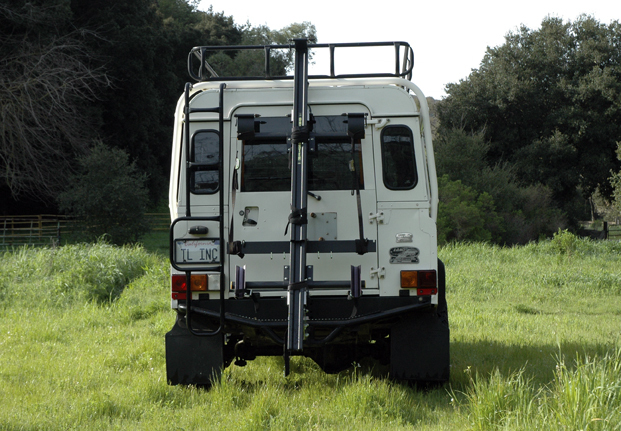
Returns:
<point x="535" y="334"/>
<point x="517" y="315"/>
<point x="73" y="273"/>
<point x="584" y="396"/>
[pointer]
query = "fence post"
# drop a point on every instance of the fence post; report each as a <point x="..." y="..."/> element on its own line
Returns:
<point x="605" y="230"/>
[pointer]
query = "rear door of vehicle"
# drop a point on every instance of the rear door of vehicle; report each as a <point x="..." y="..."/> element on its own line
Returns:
<point x="262" y="203"/>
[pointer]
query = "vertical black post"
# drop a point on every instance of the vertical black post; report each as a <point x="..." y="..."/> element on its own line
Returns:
<point x="186" y="131"/>
<point x="297" y="288"/>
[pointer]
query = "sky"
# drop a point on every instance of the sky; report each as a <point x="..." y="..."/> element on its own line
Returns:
<point x="449" y="37"/>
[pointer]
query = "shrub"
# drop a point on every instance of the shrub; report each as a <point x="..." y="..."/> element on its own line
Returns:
<point x="107" y="196"/>
<point x="526" y="212"/>
<point x="565" y="242"/>
<point x="464" y="214"/>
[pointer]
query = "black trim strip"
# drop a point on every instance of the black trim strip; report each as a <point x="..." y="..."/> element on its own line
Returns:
<point x="266" y="247"/>
<point x="338" y="284"/>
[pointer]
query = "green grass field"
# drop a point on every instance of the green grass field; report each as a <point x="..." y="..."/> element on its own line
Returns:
<point x="535" y="344"/>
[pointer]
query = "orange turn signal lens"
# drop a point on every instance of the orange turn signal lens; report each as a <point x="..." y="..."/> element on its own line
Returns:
<point x="409" y="279"/>
<point x="199" y="282"/>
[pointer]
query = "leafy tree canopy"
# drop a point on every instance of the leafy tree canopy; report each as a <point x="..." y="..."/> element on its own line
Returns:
<point x="548" y="101"/>
<point x="75" y="70"/>
<point x="510" y="213"/>
<point x="47" y="78"/>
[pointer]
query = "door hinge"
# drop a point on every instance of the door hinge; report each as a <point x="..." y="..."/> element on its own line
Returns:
<point x="379" y="272"/>
<point x="378" y="217"/>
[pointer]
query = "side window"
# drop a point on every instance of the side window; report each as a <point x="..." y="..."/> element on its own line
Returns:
<point x="398" y="164"/>
<point x="205" y="158"/>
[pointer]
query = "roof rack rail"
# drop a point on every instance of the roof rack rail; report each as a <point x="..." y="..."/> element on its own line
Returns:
<point x="200" y="70"/>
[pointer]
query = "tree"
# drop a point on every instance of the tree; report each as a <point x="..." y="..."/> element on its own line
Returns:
<point x="548" y="101"/>
<point x="134" y="112"/>
<point x="46" y="80"/>
<point x="76" y="70"/>
<point x="107" y="196"/>
<point x="252" y="63"/>
<point x="615" y="182"/>
<point x="526" y="212"/>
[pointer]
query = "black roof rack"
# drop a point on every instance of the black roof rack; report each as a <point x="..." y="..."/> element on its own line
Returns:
<point x="200" y="70"/>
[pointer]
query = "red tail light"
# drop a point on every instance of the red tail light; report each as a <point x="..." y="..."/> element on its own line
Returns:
<point x="423" y="281"/>
<point x="178" y="283"/>
<point x="426" y="279"/>
<point x="198" y="282"/>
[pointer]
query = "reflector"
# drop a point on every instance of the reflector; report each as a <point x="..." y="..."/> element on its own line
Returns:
<point x="427" y="292"/>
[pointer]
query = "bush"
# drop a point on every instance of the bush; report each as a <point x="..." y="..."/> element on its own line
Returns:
<point x="527" y="213"/>
<point x="107" y="196"/>
<point x="534" y="215"/>
<point x="464" y="214"/>
<point x="564" y="242"/>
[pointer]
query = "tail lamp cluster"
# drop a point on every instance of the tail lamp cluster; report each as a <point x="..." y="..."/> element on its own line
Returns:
<point x="425" y="282"/>
<point x="198" y="283"/>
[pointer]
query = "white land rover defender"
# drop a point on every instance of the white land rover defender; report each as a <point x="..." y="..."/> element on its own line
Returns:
<point x="304" y="220"/>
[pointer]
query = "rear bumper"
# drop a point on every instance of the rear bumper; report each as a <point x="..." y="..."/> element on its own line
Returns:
<point x="326" y="317"/>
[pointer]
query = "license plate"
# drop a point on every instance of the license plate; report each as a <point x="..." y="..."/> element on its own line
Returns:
<point x="197" y="251"/>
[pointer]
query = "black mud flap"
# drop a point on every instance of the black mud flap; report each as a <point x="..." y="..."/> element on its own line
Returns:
<point x="192" y="360"/>
<point x="419" y="349"/>
<point x="419" y="343"/>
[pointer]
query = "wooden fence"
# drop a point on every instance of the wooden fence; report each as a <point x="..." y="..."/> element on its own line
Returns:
<point x="48" y="230"/>
<point x="612" y="231"/>
<point x="36" y="230"/>
<point x="158" y="221"/>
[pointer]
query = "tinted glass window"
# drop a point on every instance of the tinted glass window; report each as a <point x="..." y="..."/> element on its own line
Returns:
<point x="205" y="147"/>
<point x="330" y="168"/>
<point x="398" y="164"/>
<point x="204" y="176"/>
<point x="265" y="165"/>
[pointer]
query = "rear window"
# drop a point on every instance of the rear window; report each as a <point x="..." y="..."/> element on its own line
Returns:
<point x="398" y="164"/>
<point x="265" y="164"/>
